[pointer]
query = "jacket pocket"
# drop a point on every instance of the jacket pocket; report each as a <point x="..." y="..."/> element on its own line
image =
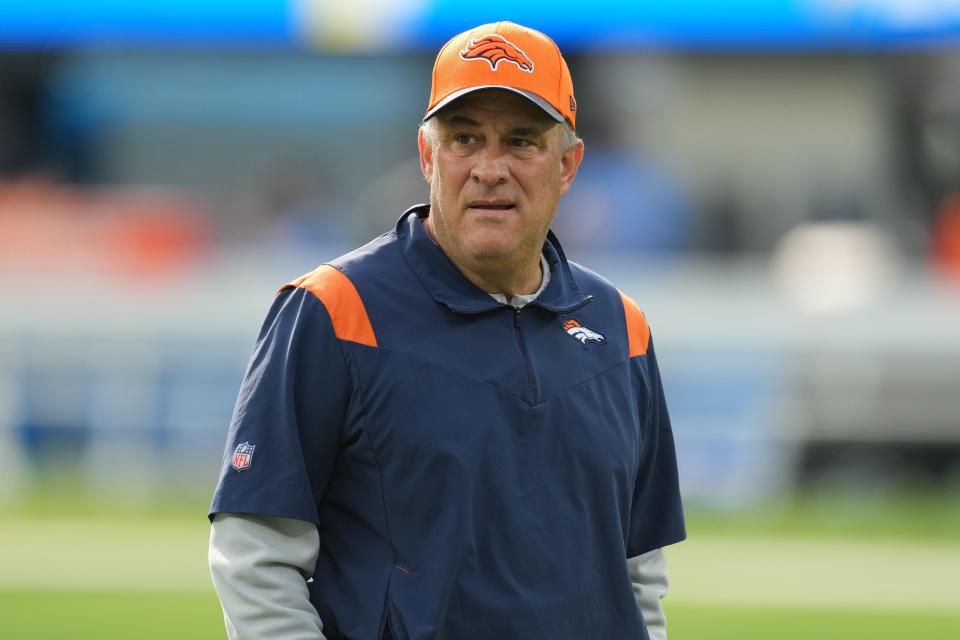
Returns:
<point x="394" y="629"/>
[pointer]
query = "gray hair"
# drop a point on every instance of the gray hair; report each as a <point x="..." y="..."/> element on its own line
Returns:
<point x="568" y="137"/>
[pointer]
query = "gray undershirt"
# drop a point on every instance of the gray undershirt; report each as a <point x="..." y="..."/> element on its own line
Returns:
<point x="521" y="301"/>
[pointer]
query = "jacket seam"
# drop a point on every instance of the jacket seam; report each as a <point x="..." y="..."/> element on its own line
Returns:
<point x="500" y="389"/>
<point x="354" y="373"/>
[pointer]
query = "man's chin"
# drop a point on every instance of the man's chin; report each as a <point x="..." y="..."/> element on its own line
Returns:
<point x="488" y="253"/>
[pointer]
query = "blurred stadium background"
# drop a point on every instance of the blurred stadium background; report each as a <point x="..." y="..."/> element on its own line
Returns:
<point x="777" y="182"/>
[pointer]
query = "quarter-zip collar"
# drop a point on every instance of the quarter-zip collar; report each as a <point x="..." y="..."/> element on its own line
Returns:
<point x="447" y="284"/>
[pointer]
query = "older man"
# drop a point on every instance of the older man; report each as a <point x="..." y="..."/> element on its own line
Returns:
<point x="453" y="432"/>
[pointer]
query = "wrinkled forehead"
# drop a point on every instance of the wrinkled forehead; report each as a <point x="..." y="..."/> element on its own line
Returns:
<point x="496" y="106"/>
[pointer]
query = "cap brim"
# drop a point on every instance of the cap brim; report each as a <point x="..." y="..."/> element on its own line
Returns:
<point x="532" y="97"/>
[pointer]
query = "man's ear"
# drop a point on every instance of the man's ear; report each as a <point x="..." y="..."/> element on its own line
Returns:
<point x="426" y="155"/>
<point x="569" y="164"/>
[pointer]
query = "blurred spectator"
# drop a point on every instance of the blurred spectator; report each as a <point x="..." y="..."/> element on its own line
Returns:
<point x="22" y="135"/>
<point x="624" y="202"/>
<point x="946" y="238"/>
<point x="295" y="209"/>
<point x="137" y="232"/>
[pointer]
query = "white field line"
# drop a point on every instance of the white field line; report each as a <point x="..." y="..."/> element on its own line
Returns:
<point x="706" y="570"/>
<point x="104" y="554"/>
<point x="803" y="572"/>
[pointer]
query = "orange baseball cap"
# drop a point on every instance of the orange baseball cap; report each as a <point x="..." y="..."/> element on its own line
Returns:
<point x="504" y="55"/>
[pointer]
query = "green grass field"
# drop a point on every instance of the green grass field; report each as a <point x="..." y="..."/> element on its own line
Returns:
<point x="809" y="570"/>
<point x="54" y="615"/>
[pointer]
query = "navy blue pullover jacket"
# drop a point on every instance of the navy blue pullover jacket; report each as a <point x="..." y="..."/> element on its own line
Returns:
<point x="475" y="471"/>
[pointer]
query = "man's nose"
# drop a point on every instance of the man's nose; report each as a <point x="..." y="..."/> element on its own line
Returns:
<point x="491" y="166"/>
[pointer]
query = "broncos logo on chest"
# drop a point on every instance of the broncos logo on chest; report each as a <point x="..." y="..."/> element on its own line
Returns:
<point x="580" y="333"/>
<point x="494" y="49"/>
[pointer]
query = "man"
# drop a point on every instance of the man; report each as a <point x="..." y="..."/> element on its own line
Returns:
<point x="453" y="432"/>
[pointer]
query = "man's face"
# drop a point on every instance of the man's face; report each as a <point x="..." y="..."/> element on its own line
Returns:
<point x="496" y="172"/>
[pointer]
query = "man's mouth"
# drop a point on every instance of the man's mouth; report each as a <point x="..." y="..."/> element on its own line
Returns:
<point x="495" y="205"/>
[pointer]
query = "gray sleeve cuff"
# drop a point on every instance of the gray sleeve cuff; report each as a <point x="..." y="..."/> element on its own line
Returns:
<point x="648" y="573"/>
<point x="260" y="566"/>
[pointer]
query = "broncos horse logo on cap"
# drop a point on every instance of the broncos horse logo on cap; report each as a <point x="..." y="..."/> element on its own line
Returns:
<point x="494" y="49"/>
<point x="580" y="333"/>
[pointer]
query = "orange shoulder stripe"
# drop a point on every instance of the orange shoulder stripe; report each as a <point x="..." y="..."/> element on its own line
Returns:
<point x="343" y="303"/>
<point x="638" y="333"/>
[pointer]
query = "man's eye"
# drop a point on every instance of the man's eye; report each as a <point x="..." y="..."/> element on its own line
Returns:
<point x="463" y="138"/>
<point x="520" y="142"/>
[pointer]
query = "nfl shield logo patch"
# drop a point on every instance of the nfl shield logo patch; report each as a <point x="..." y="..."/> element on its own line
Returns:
<point x="243" y="456"/>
